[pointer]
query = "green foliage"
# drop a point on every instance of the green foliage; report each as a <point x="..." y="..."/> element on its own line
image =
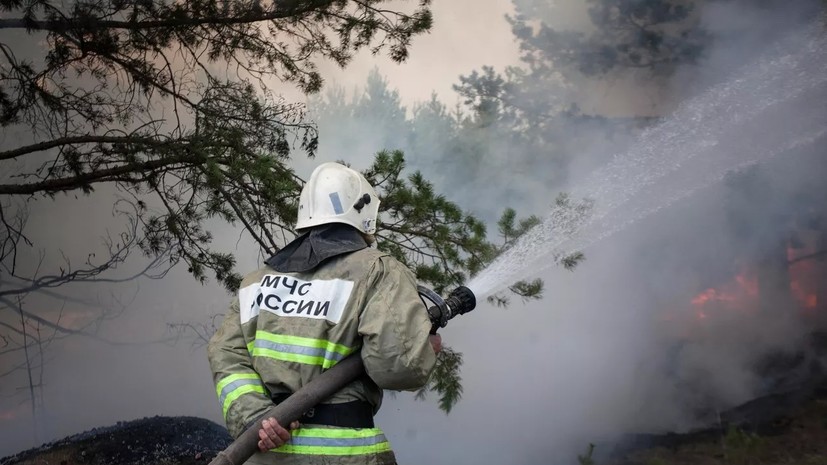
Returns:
<point x="570" y="214"/>
<point x="571" y="260"/>
<point x="441" y="243"/>
<point x="741" y="447"/>
<point x="445" y="380"/>
<point x="527" y="112"/>
<point x="167" y="104"/>
<point x="565" y="202"/>
<point x="653" y="35"/>
<point x="485" y="94"/>
<point x="528" y="289"/>
<point x="363" y="123"/>
<point x="511" y="230"/>
<point x="424" y="230"/>
<point x="586" y="459"/>
<point x="86" y="35"/>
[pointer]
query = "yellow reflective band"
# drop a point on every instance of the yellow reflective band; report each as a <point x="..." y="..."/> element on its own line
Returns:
<point x="297" y="349"/>
<point x="232" y="387"/>
<point x="246" y="389"/>
<point x="232" y="378"/>
<point x="288" y="357"/>
<point x="335" y="441"/>
<point x="304" y="342"/>
<point x="333" y="450"/>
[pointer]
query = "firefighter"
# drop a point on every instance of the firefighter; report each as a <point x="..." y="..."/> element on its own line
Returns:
<point x="325" y="295"/>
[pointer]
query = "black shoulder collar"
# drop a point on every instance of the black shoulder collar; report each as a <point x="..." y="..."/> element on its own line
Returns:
<point x="309" y="250"/>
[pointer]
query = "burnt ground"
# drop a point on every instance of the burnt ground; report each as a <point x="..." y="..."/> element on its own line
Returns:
<point x="796" y="437"/>
<point x="785" y="426"/>
<point x="148" y="441"/>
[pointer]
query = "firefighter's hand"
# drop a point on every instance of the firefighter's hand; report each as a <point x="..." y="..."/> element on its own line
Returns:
<point x="273" y="435"/>
<point x="436" y="342"/>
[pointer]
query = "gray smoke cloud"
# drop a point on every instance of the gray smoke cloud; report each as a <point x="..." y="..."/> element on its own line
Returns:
<point x="616" y="346"/>
<point x="660" y="329"/>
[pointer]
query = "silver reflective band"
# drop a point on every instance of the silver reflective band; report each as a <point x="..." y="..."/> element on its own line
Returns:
<point x="228" y="389"/>
<point x="300" y="350"/>
<point x="334" y="442"/>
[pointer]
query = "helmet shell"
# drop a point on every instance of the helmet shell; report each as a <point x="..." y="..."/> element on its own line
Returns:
<point x="337" y="194"/>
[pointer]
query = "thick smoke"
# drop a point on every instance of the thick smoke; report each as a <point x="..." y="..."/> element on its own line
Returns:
<point x="670" y="321"/>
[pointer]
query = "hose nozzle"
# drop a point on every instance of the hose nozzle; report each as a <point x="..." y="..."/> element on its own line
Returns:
<point x="459" y="302"/>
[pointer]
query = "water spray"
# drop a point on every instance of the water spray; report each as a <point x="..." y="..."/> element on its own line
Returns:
<point x="688" y="151"/>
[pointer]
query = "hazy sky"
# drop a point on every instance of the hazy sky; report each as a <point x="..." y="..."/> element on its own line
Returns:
<point x="466" y="35"/>
<point x="541" y="380"/>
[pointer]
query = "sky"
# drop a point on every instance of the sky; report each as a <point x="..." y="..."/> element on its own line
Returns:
<point x="456" y="45"/>
<point x="607" y="350"/>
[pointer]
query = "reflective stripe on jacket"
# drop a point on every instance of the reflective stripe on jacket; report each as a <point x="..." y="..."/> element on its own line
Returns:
<point x="335" y="441"/>
<point x="287" y="328"/>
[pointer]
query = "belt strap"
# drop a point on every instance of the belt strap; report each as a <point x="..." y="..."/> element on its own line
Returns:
<point x="354" y="414"/>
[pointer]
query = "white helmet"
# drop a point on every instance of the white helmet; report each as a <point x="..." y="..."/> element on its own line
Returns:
<point x="338" y="194"/>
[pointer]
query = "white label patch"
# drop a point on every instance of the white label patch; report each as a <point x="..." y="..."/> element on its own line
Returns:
<point x="287" y="296"/>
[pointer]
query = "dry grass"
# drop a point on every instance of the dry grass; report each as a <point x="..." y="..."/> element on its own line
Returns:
<point x="803" y="442"/>
<point x="61" y="456"/>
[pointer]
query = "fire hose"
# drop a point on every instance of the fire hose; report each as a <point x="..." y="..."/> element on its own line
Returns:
<point x="460" y="301"/>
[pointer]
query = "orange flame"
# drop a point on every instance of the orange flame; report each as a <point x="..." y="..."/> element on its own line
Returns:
<point x="803" y="279"/>
<point x="737" y="295"/>
<point x="742" y="293"/>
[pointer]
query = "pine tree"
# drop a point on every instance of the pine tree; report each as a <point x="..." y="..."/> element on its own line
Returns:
<point x="169" y="105"/>
<point x="652" y="35"/>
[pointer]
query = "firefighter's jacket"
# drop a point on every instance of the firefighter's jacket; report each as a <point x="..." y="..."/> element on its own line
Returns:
<point x="285" y="328"/>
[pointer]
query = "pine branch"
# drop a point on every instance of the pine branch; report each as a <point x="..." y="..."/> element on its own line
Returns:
<point x="281" y="9"/>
